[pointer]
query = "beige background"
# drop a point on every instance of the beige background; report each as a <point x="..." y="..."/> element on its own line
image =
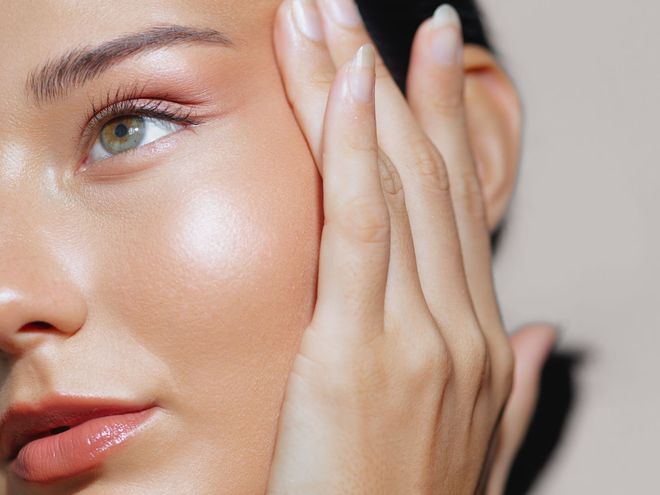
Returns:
<point x="582" y="245"/>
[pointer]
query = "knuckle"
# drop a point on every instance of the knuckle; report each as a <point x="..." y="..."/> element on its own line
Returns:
<point x="449" y="105"/>
<point x="472" y="358"/>
<point x="429" y="164"/>
<point x="317" y="83"/>
<point x="365" y="220"/>
<point x="363" y="143"/>
<point x="430" y="362"/>
<point x="322" y="79"/>
<point x="389" y="175"/>
<point x="469" y="195"/>
<point x="475" y="357"/>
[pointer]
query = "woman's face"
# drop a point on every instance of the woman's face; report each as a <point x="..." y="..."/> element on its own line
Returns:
<point x="182" y="272"/>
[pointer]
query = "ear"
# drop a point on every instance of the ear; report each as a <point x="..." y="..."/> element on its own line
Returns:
<point x="494" y="124"/>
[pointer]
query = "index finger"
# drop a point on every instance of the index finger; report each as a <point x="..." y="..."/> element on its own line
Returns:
<point x="306" y="67"/>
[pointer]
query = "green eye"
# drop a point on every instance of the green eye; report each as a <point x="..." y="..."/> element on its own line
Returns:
<point x="122" y="134"/>
<point x="129" y="132"/>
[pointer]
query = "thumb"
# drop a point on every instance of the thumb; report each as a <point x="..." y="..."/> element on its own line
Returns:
<point x="531" y="347"/>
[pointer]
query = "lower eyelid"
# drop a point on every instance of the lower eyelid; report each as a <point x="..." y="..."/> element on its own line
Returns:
<point x="115" y="163"/>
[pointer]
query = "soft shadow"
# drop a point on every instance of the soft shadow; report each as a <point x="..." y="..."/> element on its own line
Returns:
<point x="556" y="400"/>
<point x="496" y="236"/>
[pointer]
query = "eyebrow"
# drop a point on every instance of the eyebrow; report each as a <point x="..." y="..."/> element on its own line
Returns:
<point x="76" y="67"/>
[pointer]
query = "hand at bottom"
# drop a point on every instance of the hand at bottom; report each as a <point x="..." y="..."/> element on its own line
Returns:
<point x="405" y="370"/>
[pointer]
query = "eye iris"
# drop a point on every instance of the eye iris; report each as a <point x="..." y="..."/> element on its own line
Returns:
<point x="122" y="134"/>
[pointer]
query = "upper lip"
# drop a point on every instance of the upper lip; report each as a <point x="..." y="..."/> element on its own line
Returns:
<point x="24" y="422"/>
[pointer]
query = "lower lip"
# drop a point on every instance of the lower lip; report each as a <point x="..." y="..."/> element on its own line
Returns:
<point x="77" y="450"/>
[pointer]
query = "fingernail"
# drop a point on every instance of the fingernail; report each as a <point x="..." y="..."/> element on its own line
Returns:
<point x="361" y="75"/>
<point x="344" y="12"/>
<point x="307" y="19"/>
<point x="447" y="38"/>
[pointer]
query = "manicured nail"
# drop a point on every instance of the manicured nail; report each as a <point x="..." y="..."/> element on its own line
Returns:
<point x="447" y="38"/>
<point x="361" y="75"/>
<point x="344" y="12"/>
<point x="307" y="19"/>
<point x="446" y="15"/>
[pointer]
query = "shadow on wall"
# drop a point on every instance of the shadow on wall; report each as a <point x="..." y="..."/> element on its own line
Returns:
<point x="556" y="401"/>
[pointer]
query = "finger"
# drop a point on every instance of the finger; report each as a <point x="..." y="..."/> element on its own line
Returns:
<point x="435" y="92"/>
<point x="531" y="347"/>
<point x="306" y="66"/>
<point x="404" y="296"/>
<point x="423" y="175"/>
<point x="307" y="70"/>
<point x="436" y="95"/>
<point x="355" y="242"/>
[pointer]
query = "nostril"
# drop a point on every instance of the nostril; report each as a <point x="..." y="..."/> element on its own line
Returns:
<point x="36" y="325"/>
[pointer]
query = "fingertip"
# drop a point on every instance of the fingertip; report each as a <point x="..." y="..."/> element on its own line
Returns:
<point x="283" y="28"/>
<point x="362" y="76"/>
<point x="307" y="19"/>
<point x="439" y="39"/>
<point x="446" y="15"/>
<point x="532" y="345"/>
<point x="435" y="76"/>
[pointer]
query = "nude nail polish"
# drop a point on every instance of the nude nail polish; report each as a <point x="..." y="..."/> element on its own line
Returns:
<point x="361" y="74"/>
<point x="307" y="19"/>
<point x="446" y="15"/>
<point x="447" y="38"/>
<point x="344" y="12"/>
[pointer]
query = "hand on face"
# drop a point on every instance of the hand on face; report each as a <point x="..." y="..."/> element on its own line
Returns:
<point x="405" y="368"/>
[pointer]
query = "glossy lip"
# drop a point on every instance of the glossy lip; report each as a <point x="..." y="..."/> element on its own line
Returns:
<point x="24" y="422"/>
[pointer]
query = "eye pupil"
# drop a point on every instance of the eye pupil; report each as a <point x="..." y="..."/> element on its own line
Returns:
<point x="121" y="130"/>
<point x="123" y="133"/>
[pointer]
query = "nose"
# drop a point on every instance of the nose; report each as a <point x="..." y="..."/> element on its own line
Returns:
<point x="39" y="296"/>
<point x="36" y="305"/>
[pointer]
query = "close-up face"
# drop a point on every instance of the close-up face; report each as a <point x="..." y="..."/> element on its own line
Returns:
<point x="160" y="221"/>
<point x="180" y="273"/>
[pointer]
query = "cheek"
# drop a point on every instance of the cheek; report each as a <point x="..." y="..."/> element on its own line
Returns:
<point x="213" y="272"/>
<point x="208" y="264"/>
<point x="222" y="274"/>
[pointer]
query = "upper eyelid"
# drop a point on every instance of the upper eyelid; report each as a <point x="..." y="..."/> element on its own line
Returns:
<point x="149" y="107"/>
<point x="123" y="94"/>
<point x="125" y="108"/>
<point x="189" y="108"/>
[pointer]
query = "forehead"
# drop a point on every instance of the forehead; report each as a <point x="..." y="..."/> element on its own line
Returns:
<point x="32" y="31"/>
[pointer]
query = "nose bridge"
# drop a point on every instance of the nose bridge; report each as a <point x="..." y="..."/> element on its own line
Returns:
<point x="38" y="297"/>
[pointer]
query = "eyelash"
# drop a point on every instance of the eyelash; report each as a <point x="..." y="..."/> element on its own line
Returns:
<point x="129" y="101"/>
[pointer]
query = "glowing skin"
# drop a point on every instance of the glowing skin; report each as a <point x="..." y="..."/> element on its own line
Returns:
<point x="182" y="273"/>
<point x="186" y="275"/>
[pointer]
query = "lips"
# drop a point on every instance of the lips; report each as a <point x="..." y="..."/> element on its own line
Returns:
<point x="64" y="436"/>
<point x="23" y="423"/>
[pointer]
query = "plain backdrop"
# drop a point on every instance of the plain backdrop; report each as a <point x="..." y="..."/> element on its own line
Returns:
<point x="582" y="242"/>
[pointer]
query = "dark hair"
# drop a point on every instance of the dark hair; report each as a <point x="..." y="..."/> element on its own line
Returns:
<point x="393" y="23"/>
